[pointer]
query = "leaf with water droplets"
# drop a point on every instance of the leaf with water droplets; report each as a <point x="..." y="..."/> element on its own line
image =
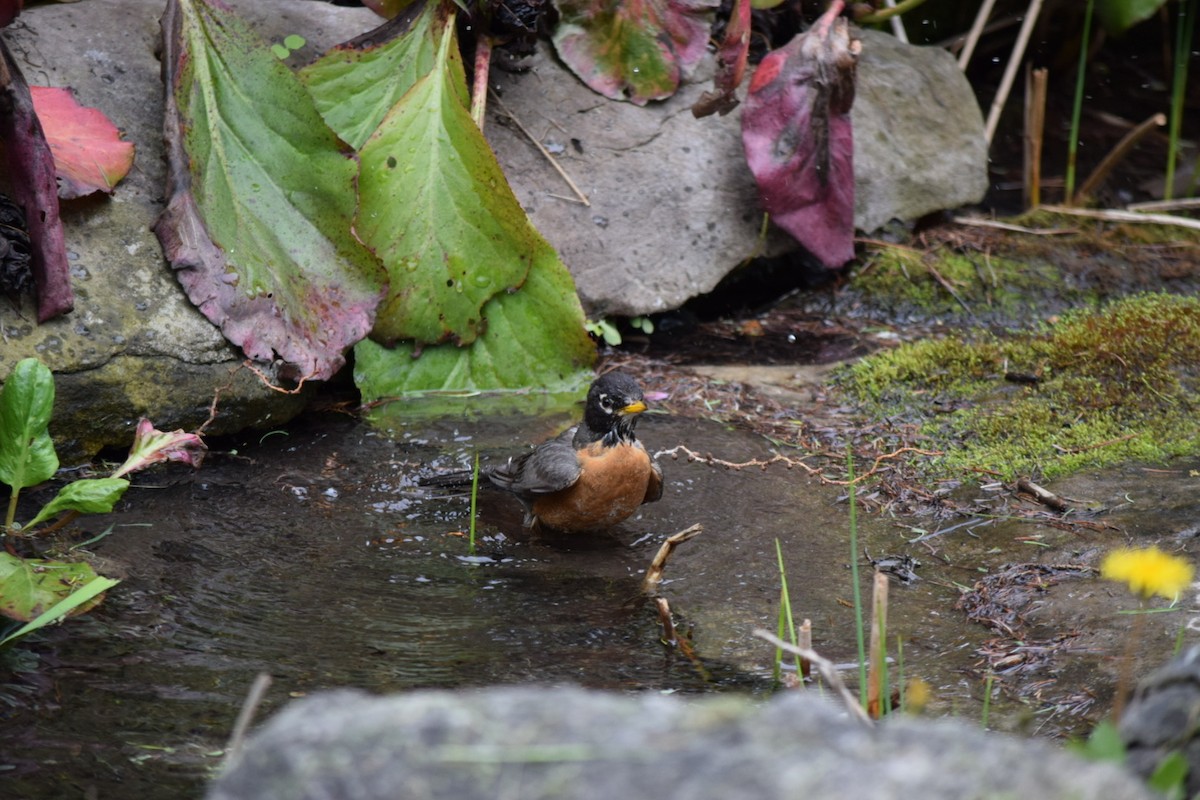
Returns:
<point x="638" y="49"/>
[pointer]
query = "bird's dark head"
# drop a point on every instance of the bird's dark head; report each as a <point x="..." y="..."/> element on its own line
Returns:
<point x="613" y="404"/>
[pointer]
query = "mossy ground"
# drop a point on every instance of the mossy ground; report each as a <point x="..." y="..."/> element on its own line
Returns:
<point x="1101" y="385"/>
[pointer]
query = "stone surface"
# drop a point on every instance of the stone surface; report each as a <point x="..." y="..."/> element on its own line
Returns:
<point x="674" y="207"/>
<point x="572" y="744"/>
<point x="1164" y="717"/>
<point x="134" y="344"/>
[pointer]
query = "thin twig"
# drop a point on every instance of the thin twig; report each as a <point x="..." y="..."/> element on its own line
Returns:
<point x="1116" y="155"/>
<point x="981" y="19"/>
<point x="1043" y="496"/>
<point x="479" y="89"/>
<point x="545" y="153"/>
<point x="1008" y="226"/>
<point x="1116" y="215"/>
<point x="659" y="563"/>
<point x="1010" y="71"/>
<point x="258" y="689"/>
<point x="827" y="670"/>
<point x="779" y="458"/>
<point x="1165" y="205"/>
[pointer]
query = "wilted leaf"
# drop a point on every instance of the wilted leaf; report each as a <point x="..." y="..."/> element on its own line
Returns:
<point x="152" y="446"/>
<point x="30" y="587"/>
<point x="535" y="339"/>
<point x="31" y="175"/>
<point x="434" y="205"/>
<point x="87" y="496"/>
<point x="27" y="454"/>
<point x="357" y="83"/>
<point x="88" y="152"/>
<point x="798" y="140"/>
<point x="731" y="64"/>
<point x="258" y="222"/>
<point x="637" y="50"/>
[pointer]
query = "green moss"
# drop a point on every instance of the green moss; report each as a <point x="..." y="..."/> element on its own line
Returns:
<point x="909" y="281"/>
<point x="1100" y="386"/>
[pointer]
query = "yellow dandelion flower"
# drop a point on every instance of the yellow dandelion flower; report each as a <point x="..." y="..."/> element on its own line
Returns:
<point x="1148" y="571"/>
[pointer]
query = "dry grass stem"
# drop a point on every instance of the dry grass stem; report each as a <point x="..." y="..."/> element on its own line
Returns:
<point x="545" y="153"/>
<point x="659" y="562"/>
<point x="1115" y="156"/>
<point x="1035" y="124"/>
<point x="876" y="663"/>
<point x="827" y="670"/>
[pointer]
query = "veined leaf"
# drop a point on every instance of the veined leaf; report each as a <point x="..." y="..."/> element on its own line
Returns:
<point x="258" y="222"/>
<point x="27" y="454"/>
<point x="357" y="83"/>
<point x="633" y="49"/>
<point x="434" y="205"/>
<point x="31" y="588"/>
<point x="88" y="152"/>
<point x="87" y="496"/>
<point x="535" y="338"/>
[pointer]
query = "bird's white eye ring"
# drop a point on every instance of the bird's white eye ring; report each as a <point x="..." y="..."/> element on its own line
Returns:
<point x="606" y="403"/>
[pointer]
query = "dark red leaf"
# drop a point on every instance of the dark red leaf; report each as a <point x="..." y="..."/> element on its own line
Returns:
<point x="731" y="61"/>
<point x="35" y="190"/>
<point x="798" y="140"/>
<point x="9" y="9"/>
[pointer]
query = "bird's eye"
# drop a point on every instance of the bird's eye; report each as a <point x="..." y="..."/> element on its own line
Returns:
<point x="606" y="403"/>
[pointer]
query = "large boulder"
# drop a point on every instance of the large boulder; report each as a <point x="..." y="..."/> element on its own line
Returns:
<point x="574" y="744"/>
<point x="673" y="206"/>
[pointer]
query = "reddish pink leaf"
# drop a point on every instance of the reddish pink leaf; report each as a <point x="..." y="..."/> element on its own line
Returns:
<point x="31" y="175"/>
<point x="731" y="64"/>
<point x="152" y="446"/>
<point x="798" y="140"/>
<point x="88" y="152"/>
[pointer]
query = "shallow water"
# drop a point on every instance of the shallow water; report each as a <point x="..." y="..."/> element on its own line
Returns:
<point x="314" y="556"/>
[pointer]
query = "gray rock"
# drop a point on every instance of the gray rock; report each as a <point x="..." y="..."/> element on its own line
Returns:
<point x="919" y="142"/>
<point x="572" y="744"/>
<point x="1164" y="717"/>
<point x="674" y="207"/>
<point x="134" y="344"/>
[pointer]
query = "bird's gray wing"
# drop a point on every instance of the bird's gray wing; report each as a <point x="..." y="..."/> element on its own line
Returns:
<point x="552" y="466"/>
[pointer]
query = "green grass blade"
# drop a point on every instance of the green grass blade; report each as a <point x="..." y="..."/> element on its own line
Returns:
<point x="62" y="607"/>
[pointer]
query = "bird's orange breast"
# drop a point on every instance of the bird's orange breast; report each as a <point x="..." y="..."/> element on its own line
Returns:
<point x="613" y="482"/>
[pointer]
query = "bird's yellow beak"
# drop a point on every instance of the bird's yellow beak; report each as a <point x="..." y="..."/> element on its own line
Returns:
<point x="636" y="407"/>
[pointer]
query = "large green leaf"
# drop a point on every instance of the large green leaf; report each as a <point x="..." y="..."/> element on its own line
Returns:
<point x="27" y="454"/>
<point x="535" y="339"/>
<point x="435" y="206"/>
<point x="633" y="49"/>
<point x="31" y="587"/>
<point x="262" y="197"/>
<point x="1118" y="16"/>
<point x="87" y="496"/>
<point x="357" y="83"/>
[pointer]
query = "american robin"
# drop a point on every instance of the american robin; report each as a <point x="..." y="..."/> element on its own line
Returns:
<point x="590" y="477"/>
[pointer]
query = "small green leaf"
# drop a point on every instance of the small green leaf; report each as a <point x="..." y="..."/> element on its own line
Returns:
<point x="1170" y="776"/>
<point x="87" y="496"/>
<point x="1104" y="744"/>
<point x="436" y="208"/>
<point x="37" y="591"/>
<point x="280" y="51"/>
<point x="294" y="41"/>
<point x="27" y="454"/>
<point x="535" y="339"/>
<point x="1118" y="16"/>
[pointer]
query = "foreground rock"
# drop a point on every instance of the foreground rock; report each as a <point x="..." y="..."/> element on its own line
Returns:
<point x="1161" y="718"/>
<point x="572" y="744"/>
